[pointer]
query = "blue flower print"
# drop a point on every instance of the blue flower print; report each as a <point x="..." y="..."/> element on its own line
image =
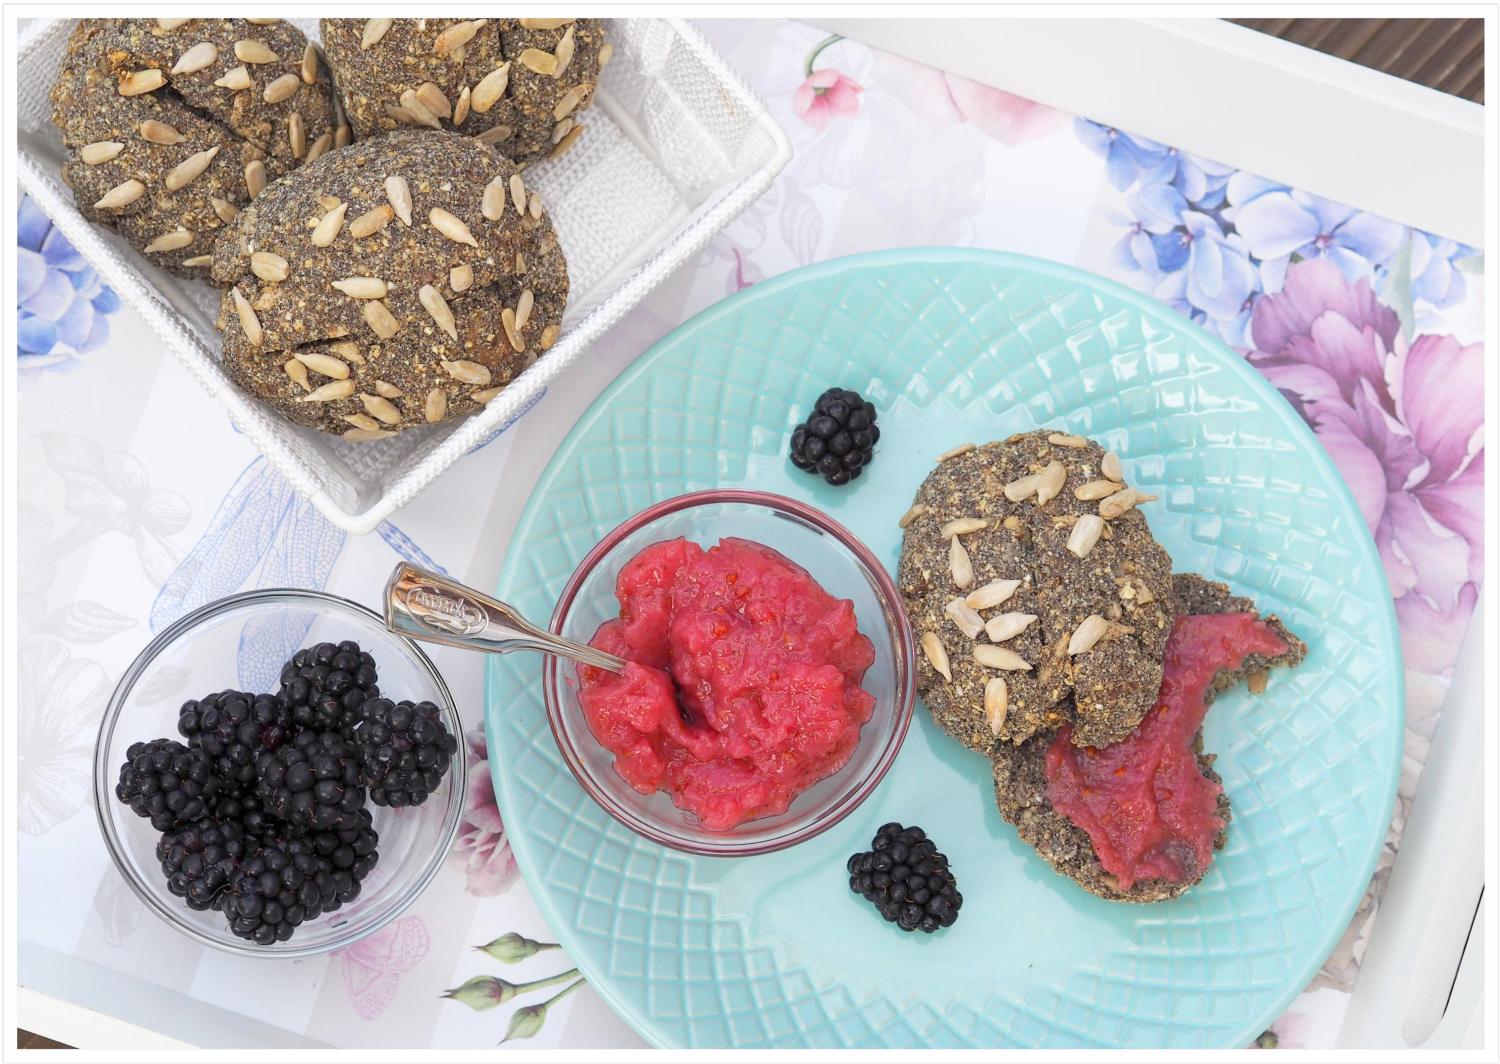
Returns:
<point x="1279" y="223"/>
<point x="1435" y="276"/>
<point x="63" y="307"/>
<point x="1127" y="159"/>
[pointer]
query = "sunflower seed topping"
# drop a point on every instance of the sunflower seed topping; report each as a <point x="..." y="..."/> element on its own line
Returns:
<point x="992" y="594"/>
<point x="372" y="221"/>
<point x="255" y="177"/>
<point x="1003" y="658"/>
<point x="399" y="194"/>
<point x="140" y="82"/>
<point x="545" y="23"/>
<point x="167" y="25"/>
<point x="570" y="100"/>
<point x="363" y="421"/>
<point x="564" y="52"/>
<point x="959" y="565"/>
<point x="560" y="130"/>
<point x="468" y="372"/>
<point x="432" y="98"/>
<point x="534" y="205"/>
<point x="1087" y="634"/>
<point x="190" y="168"/>
<point x="1086" y="532"/>
<point x="412" y="104"/>
<point x="341" y="135"/>
<point x="199" y="260"/>
<point x="461" y="277"/>
<point x="937" y="655"/>
<point x="1022" y="487"/>
<point x="911" y="515"/>
<point x="494" y="135"/>
<point x="433" y="302"/>
<point x="954" y="452"/>
<point x="159" y="133"/>
<point x="375" y="29"/>
<point x="435" y="407"/>
<point x="248" y="321"/>
<point x="283" y="88"/>
<point x="996" y="703"/>
<point x="451" y="226"/>
<point x="362" y="287"/>
<point x="328" y="227"/>
<point x="381" y="407"/>
<point x="1121" y="501"/>
<point x="269" y="266"/>
<point x="523" y="308"/>
<point x="490" y="88"/>
<point x="365" y="435"/>
<point x="254" y="51"/>
<point x="326" y="393"/>
<point x="1060" y="439"/>
<point x="457" y="35"/>
<point x="174" y="240"/>
<point x="492" y="202"/>
<point x="389" y="390"/>
<point x="199" y="56"/>
<point x="549" y="337"/>
<point x="963" y="526"/>
<point x="101" y="151"/>
<point x="1110" y="466"/>
<point x="327" y="365"/>
<point x="518" y="193"/>
<point x="226" y="211"/>
<point x="606" y="53"/>
<point x="485" y="395"/>
<point x="235" y="80"/>
<point x="122" y="195"/>
<point x="378" y="316"/>
<point x="1095" y="490"/>
<point x="263" y="21"/>
<point x="1050" y="482"/>
<point x="296" y="134"/>
<point x="567" y="141"/>
<point x="1007" y="626"/>
<point x="298" y="373"/>
<point x="966" y="617"/>
<point x="539" y="62"/>
<point x="512" y="334"/>
<point x="461" y="106"/>
<point x="319" y="146"/>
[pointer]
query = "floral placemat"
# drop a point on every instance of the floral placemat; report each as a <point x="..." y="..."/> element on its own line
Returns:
<point x="138" y="501"/>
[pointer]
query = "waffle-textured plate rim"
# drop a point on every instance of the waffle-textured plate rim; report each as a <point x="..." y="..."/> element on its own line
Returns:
<point x="1248" y="378"/>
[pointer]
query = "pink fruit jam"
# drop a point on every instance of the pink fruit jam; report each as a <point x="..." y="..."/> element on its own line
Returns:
<point x="1145" y="803"/>
<point x="768" y="665"/>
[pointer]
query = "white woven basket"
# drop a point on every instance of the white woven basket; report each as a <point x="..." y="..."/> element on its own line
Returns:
<point x="676" y="147"/>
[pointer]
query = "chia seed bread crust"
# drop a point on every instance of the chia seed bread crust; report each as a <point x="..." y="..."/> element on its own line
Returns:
<point x="375" y="355"/>
<point x="1021" y="781"/>
<point x="411" y="73"/>
<point x="1125" y="579"/>
<point x="179" y="224"/>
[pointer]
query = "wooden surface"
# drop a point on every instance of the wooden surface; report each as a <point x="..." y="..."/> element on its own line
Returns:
<point x="1441" y="53"/>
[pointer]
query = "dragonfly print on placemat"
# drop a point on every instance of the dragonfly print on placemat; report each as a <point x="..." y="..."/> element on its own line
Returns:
<point x="264" y="535"/>
<point x="373" y="966"/>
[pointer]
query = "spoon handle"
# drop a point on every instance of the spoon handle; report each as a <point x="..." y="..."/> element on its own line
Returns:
<point x="425" y="605"/>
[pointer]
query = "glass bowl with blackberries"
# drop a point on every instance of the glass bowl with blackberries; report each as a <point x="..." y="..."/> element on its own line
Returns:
<point x="278" y="775"/>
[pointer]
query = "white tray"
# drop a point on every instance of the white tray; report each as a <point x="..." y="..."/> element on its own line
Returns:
<point x="676" y="147"/>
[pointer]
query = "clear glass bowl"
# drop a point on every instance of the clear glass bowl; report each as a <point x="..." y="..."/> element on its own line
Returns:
<point x="241" y="642"/>
<point x="845" y="568"/>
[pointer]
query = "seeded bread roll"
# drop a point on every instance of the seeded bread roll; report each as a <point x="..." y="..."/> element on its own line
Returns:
<point x="1021" y="778"/>
<point x="171" y="125"/>
<point x="399" y="281"/>
<point x="519" y="85"/>
<point x="1122" y="580"/>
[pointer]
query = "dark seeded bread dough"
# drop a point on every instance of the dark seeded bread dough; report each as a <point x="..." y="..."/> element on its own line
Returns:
<point x="89" y="109"/>
<point x="1125" y="578"/>
<point x="420" y="371"/>
<point x="533" y="117"/>
<point x="1021" y="782"/>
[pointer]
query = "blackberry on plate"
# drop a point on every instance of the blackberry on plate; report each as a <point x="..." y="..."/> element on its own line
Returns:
<point x="312" y="783"/>
<point x="837" y="441"/>
<point x="325" y="686"/>
<point x="233" y="728"/>
<point x="907" y="879"/>
<point x="200" y="858"/>
<point x="405" y="751"/>
<point x="167" y="783"/>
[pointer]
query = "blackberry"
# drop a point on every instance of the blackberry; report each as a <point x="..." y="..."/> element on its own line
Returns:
<point x="290" y="879"/>
<point x="313" y="782"/>
<point x="325" y="686"/>
<point x="837" y="441"/>
<point x="907" y="879"/>
<point x="233" y="728"/>
<point x="404" y="751"/>
<point x="167" y="783"/>
<point x="246" y="810"/>
<point x="200" y="859"/>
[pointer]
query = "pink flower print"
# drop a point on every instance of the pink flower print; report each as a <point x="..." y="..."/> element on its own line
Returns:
<point x="945" y="97"/>
<point x="825" y="95"/>
<point x="373" y="965"/>
<point x="482" y="847"/>
<point x="1401" y="421"/>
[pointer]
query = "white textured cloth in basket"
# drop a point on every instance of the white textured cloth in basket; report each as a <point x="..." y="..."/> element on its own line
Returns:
<point x="676" y="147"/>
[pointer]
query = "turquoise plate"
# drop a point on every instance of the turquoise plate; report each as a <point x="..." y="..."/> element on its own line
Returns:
<point x="953" y="346"/>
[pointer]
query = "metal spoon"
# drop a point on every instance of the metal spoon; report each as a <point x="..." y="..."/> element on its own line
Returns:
<point x="425" y="605"/>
